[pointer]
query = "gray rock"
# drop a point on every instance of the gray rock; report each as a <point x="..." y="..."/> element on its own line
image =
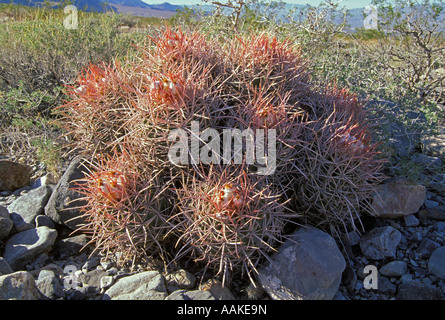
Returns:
<point x="5" y="268"/>
<point x="107" y="264"/>
<point x="394" y="269"/>
<point x="181" y="279"/>
<point x="349" y="278"/>
<point x="45" y="180"/>
<point x="77" y="293"/>
<point x="58" y="271"/>
<point x="190" y="295"/>
<point x="340" y="296"/>
<point x="91" y="263"/>
<point x="106" y="281"/>
<point x="416" y="236"/>
<point x="64" y="203"/>
<point x="406" y="278"/>
<point x="385" y="286"/>
<point x="436" y="213"/>
<point x="380" y="243"/>
<point x="354" y="238"/>
<point x="426" y="248"/>
<point x="435" y="186"/>
<point x="69" y="246"/>
<point x="431" y="204"/>
<point x="215" y="287"/>
<point x="398" y="198"/>
<point x="148" y="285"/>
<point x="89" y="292"/>
<point x="113" y="271"/>
<point x="93" y="277"/>
<point x="39" y="261"/>
<point x="6" y="223"/>
<point x="49" y="285"/>
<point x="299" y="270"/>
<point x="26" y="208"/>
<point x="13" y="175"/>
<point x="436" y="263"/>
<point x="18" y="286"/>
<point x="416" y="290"/>
<point x="180" y="294"/>
<point x="22" y="247"/>
<point x="441" y="227"/>
<point x="411" y="221"/>
<point x="44" y="221"/>
<point x="200" y="295"/>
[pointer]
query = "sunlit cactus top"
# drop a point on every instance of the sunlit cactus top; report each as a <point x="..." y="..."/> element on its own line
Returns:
<point x="112" y="185"/>
<point x="230" y="197"/>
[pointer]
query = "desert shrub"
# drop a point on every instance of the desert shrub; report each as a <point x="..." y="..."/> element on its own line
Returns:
<point x="39" y="55"/>
<point x="27" y="109"/>
<point x="411" y="50"/>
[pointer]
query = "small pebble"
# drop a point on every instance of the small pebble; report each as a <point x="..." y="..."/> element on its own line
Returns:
<point x="106" y="281"/>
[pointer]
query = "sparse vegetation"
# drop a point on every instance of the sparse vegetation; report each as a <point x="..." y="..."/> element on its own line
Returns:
<point x="39" y="57"/>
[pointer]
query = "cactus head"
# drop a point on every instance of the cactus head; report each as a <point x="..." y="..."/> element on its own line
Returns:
<point x="126" y="212"/>
<point x="229" y="222"/>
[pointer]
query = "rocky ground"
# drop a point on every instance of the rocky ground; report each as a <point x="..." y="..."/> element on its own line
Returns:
<point x="401" y="254"/>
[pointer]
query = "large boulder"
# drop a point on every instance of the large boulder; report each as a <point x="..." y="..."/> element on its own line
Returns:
<point x="49" y="285"/>
<point x="24" y="246"/>
<point x="398" y="198"/>
<point x="307" y="266"/>
<point x="436" y="263"/>
<point x="26" y="208"/>
<point x="64" y="203"/>
<point x="6" y="223"/>
<point x="148" y="285"/>
<point x="13" y="175"/>
<point x="18" y="286"/>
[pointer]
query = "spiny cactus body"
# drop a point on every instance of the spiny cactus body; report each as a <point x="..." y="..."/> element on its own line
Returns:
<point x="303" y="152"/>
<point x="229" y="221"/>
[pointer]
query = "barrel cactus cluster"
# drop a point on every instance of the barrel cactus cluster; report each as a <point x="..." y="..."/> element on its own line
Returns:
<point x="214" y="150"/>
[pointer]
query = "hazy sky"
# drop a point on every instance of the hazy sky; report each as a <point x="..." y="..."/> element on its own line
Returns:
<point x="347" y="3"/>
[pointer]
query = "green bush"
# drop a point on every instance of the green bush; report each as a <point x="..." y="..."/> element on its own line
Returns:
<point x="43" y="54"/>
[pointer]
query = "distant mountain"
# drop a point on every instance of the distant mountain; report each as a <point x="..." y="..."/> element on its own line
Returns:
<point x="130" y="3"/>
<point x="166" y="6"/>
<point x="163" y="10"/>
<point x="87" y="5"/>
<point x="132" y="7"/>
